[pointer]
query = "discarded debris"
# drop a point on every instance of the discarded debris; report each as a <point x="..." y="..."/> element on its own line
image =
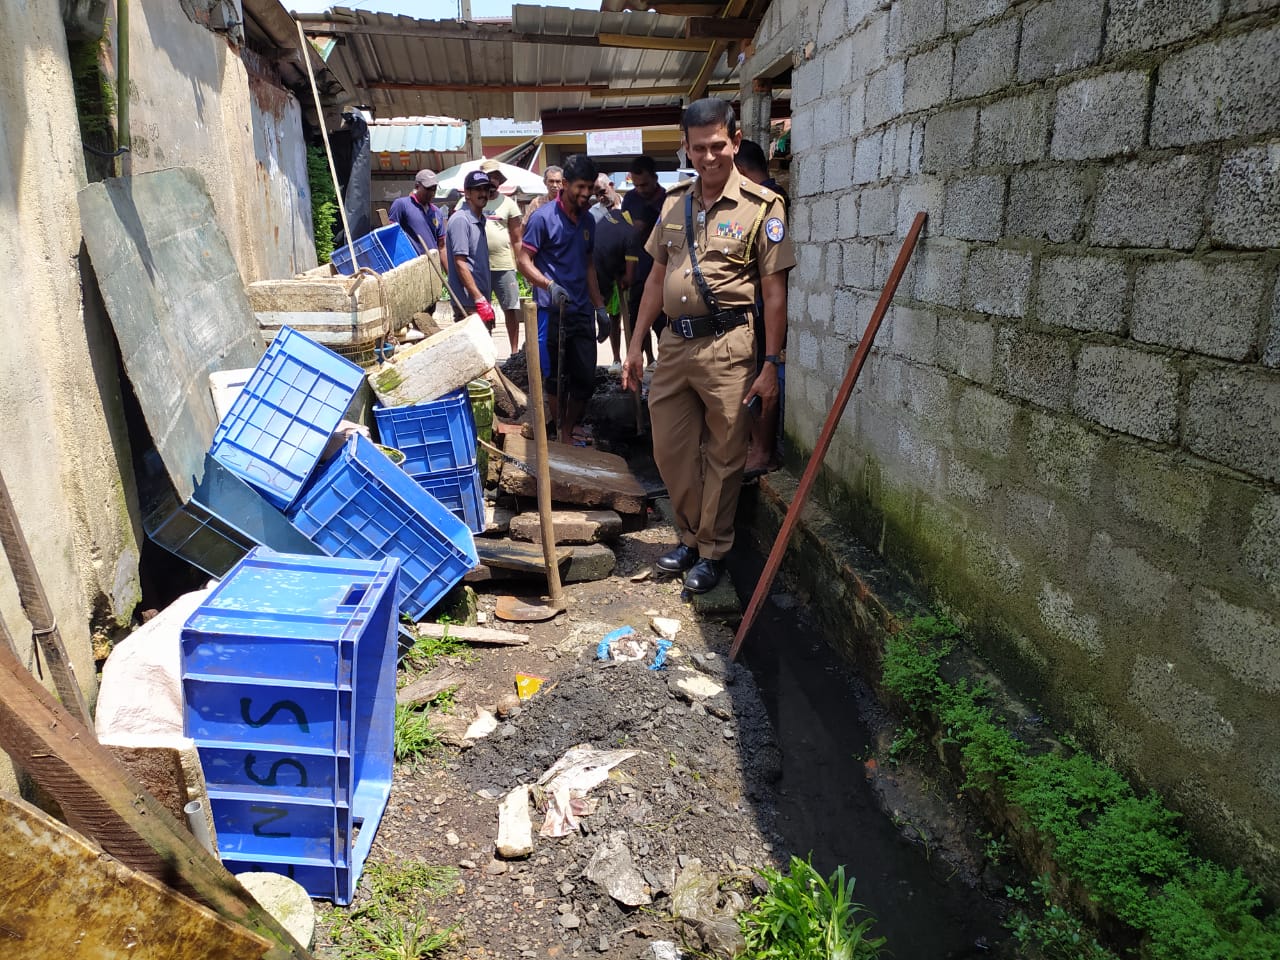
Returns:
<point x="697" y="686"/>
<point x="483" y="725"/>
<point x="428" y="370"/>
<point x="515" y="829"/>
<point x="475" y="635"/>
<point x="569" y="780"/>
<point x="429" y="687"/>
<point x="527" y="684"/>
<point x="620" y="644"/>
<point x="665" y="627"/>
<point x="612" y="868"/>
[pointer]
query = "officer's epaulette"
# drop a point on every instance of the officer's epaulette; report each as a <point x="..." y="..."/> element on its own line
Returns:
<point x="756" y="190"/>
<point x="681" y="185"/>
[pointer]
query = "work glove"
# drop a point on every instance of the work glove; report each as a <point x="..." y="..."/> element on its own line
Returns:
<point x="484" y="310"/>
<point x="558" y="294"/>
<point x="604" y="324"/>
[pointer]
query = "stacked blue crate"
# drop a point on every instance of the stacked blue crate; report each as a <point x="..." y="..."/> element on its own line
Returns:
<point x="438" y="439"/>
<point x="380" y="250"/>
<point x="288" y="674"/>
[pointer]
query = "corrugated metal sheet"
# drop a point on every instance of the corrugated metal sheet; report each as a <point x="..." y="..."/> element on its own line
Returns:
<point x="428" y="135"/>
<point x="396" y="56"/>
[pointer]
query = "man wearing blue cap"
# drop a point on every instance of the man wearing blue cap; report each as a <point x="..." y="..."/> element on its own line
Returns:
<point x="468" y="251"/>
<point x="419" y="218"/>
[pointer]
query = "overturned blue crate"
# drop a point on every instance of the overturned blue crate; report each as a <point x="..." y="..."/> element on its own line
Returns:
<point x="280" y="423"/>
<point x="436" y="435"/>
<point x="460" y="491"/>
<point x="380" y="250"/>
<point x="360" y="505"/>
<point x="288" y="674"/>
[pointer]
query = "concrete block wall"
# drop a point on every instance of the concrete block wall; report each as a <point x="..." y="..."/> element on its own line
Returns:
<point x="1069" y="429"/>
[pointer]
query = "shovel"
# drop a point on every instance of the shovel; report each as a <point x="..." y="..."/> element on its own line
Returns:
<point x="515" y="609"/>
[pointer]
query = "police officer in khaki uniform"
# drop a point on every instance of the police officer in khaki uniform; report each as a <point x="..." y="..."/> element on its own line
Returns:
<point x="721" y="241"/>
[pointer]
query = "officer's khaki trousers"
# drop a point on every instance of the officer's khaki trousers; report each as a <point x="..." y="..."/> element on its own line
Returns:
<point x="701" y="431"/>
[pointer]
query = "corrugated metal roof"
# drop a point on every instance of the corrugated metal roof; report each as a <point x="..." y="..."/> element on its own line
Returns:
<point x="394" y="54"/>
<point x="417" y="135"/>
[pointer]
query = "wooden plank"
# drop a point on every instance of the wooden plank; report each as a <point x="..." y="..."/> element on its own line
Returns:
<point x="579" y="475"/>
<point x="713" y="28"/>
<point x="102" y="801"/>
<point x="634" y="42"/>
<point x="487" y="635"/>
<point x="64" y="899"/>
<point x="317" y="24"/>
<point x="429" y="687"/>
<point x="512" y="555"/>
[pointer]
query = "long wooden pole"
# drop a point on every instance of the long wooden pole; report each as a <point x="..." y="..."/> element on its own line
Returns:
<point x="534" y="365"/>
<point x="824" y="438"/>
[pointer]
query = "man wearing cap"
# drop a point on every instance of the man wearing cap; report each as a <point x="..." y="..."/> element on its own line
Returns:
<point x="419" y="218"/>
<point x="503" y="229"/>
<point x="720" y="242"/>
<point x="468" y="251"/>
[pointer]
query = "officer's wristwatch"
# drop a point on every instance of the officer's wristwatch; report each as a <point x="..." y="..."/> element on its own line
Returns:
<point x="773" y="358"/>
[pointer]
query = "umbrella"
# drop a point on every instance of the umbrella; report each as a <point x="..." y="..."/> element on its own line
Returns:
<point x="525" y="180"/>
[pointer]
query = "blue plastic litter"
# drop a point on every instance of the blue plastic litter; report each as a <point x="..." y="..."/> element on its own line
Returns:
<point x="660" y="658"/>
<point x="361" y="505"/>
<point x="288" y="675"/>
<point x="604" y="649"/>
<point x="278" y="426"/>
<point x="460" y="491"/>
<point x="433" y="436"/>
<point x="380" y="251"/>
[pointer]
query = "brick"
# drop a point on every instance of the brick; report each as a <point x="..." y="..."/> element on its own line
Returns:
<point x="807" y="350"/>
<point x="859" y="263"/>
<point x="1063" y="454"/>
<point x="837" y="167"/>
<point x="1128" y="390"/>
<point x="1166" y="493"/>
<point x="1271" y="349"/>
<point x="877" y="212"/>
<point x="837" y="69"/>
<point x="998" y="281"/>
<point x="847" y="215"/>
<point x="927" y="82"/>
<point x="1246" y="205"/>
<point x="925" y="392"/>
<point x="974" y="208"/>
<point x="1046" y="204"/>
<point x="830" y="121"/>
<point x="1242" y="8"/>
<point x="1159" y="204"/>
<point x="806" y="83"/>
<point x="860" y="11"/>
<point x="870" y="44"/>
<point x="925" y="194"/>
<point x="1214" y="91"/>
<point x="823" y="222"/>
<point x="1261" y="545"/>
<point x="1146" y="588"/>
<point x="1147" y="24"/>
<point x="1083" y="293"/>
<point x="915" y="22"/>
<point x="808" y="263"/>
<point x="1058" y="37"/>
<point x="1039" y="522"/>
<point x="1244" y="640"/>
<point x="850" y="325"/>
<point x="1231" y="418"/>
<point x="1188" y="712"/>
<point x="895" y="151"/>
<point x="984" y="59"/>
<point x="1058" y="614"/>
<point x="913" y="333"/>
<point x="1035" y="367"/>
<point x="966" y="347"/>
<point x="984" y="421"/>
<point x="831" y="20"/>
<point x="967" y="483"/>
<point x="967" y="13"/>
<point x="1013" y="131"/>
<point x="991" y="561"/>
<point x="798" y="220"/>
<point x="940" y="272"/>
<point x="1100" y="116"/>
<point x="806" y="175"/>
<point x="866" y="158"/>
<point x="949" y="138"/>
<point x="594" y="561"/>
<point x="856" y="102"/>
<point x="833" y="273"/>
<point x="819" y="307"/>
<point x="1210" y="307"/>
<point x="884" y="94"/>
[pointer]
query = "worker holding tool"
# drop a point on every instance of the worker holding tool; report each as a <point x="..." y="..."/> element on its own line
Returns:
<point x="420" y="219"/>
<point x="720" y="242"/>
<point x="556" y="258"/>
<point x="468" y="250"/>
<point x="503" y="226"/>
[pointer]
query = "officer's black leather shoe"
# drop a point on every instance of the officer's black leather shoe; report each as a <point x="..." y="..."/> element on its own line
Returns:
<point x="703" y="576"/>
<point x="678" y="560"/>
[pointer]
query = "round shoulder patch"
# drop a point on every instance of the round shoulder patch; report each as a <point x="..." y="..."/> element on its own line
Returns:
<point x="774" y="229"/>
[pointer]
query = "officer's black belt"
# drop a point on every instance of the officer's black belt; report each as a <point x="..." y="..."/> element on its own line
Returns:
<point x="717" y="324"/>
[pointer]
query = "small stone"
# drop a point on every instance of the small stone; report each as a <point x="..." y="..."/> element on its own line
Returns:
<point x="451" y="839"/>
<point x="527" y="891"/>
<point x="741" y="855"/>
<point x="728" y="733"/>
<point x="603" y="945"/>
<point x="571" y="921"/>
<point x="564" y="908"/>
<point x="552" y="655"/>
<point x="567" y="888"/>
<point x="467" y="864"/>
<point x="785" y="601"/>
<point x="508" y="706"/>
<point x="436" y="801"/>
<point x="508" y="731"/>
<point x="495" y="868"/>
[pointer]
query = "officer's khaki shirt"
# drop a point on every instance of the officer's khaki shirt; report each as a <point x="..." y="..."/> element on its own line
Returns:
<point x="721" y="239"/>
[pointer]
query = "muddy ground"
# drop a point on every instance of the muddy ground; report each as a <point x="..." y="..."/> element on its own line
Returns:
<point x="706" y="784"/>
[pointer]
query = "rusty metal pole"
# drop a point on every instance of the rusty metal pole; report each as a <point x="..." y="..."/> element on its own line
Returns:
<point x="824" y="438"/>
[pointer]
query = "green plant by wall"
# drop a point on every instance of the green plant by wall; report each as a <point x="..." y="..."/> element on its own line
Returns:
<point x="805" y="916"/>
<point x="391" y="923"/>
<point x="1125" y="850"/>
<point x="324" y="202"/>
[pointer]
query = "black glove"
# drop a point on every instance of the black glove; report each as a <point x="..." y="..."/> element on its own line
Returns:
<point x="604" y="324"/>
<point x="558" y="294"/>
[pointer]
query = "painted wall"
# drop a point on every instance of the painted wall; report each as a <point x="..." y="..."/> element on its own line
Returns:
<point x="197" y="102"/>
<point x="1069" y="431"/>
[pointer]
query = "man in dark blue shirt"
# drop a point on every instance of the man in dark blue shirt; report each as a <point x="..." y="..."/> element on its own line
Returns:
<point x="469" y="283"/>
<point x="643" y="204"/>
<point x="555" y="257"/>
<point x="419" y="218"/>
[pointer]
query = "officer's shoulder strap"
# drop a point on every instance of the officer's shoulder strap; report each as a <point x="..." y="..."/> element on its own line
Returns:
<point x="681" y="185"/>
<point x="753" y="189"/>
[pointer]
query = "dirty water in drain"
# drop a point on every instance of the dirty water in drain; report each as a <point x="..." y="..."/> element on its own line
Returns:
<point x="825" y="803"/>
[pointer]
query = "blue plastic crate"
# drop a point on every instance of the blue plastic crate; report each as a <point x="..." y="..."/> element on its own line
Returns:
<point x="460" y="491"/>
<point x="278" y="426"/>
<point x="380" y="250"/>
<point x="360" y="505"/>
<point x="436" y="435"/>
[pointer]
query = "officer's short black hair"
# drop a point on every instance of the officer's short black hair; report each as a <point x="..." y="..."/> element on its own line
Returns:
<point x="751" y="156"/>
<point x="580" y="167"/>
<point x="643" y="164"/>
<point x="709" y="112"/>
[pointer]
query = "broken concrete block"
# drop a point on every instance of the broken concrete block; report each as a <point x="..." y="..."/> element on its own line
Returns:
<point x="515" y="829"/>
<point x="720" y="603"/>
<point x="483" y="725"/>
<point x="613" y="869"/>
<point x="594" y="561"/>
<point x="572" y="526"/>
<point x="284" y="899"/>
<point x="697" y="686"/>
<point x="665" y="627"/>
<point x="497" y="520"/>
<point x="579" y="475"/>
<point x="443" y="362"/>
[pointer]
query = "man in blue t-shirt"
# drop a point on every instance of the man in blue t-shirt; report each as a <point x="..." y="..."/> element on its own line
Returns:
<point x="643" y="204"/>
<point x="469" y="283"/>
<point x="419" y="218"/>
<point x="555" y="257"/>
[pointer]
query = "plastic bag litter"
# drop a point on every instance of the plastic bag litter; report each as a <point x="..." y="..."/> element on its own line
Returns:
<point x="625" y="644"/>
<point x="568" y="781"/>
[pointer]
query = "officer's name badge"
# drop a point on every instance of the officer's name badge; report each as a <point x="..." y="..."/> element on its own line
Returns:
<point x="732" y="229"/>
<point x="774" y="229"/>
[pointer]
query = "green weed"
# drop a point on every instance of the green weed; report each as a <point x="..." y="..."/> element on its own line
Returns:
<point x="426" y="651"/>
<point x="907" y="742"/>
<point x="392" y="923"/>
<point x="324" y="203"/>
<point x="414" y="735"/>
<point x="804" y="916"/>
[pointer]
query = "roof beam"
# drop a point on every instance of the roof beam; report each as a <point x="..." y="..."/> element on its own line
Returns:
<point x="732" y="9"/>
<point x="686" y="9"/>
<point x="635" y="42"/>
<point x="593" y="88"/>
<point x="678" y="90"/>
<point x="611" y="118"/>
<point x="713" y="28"/>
